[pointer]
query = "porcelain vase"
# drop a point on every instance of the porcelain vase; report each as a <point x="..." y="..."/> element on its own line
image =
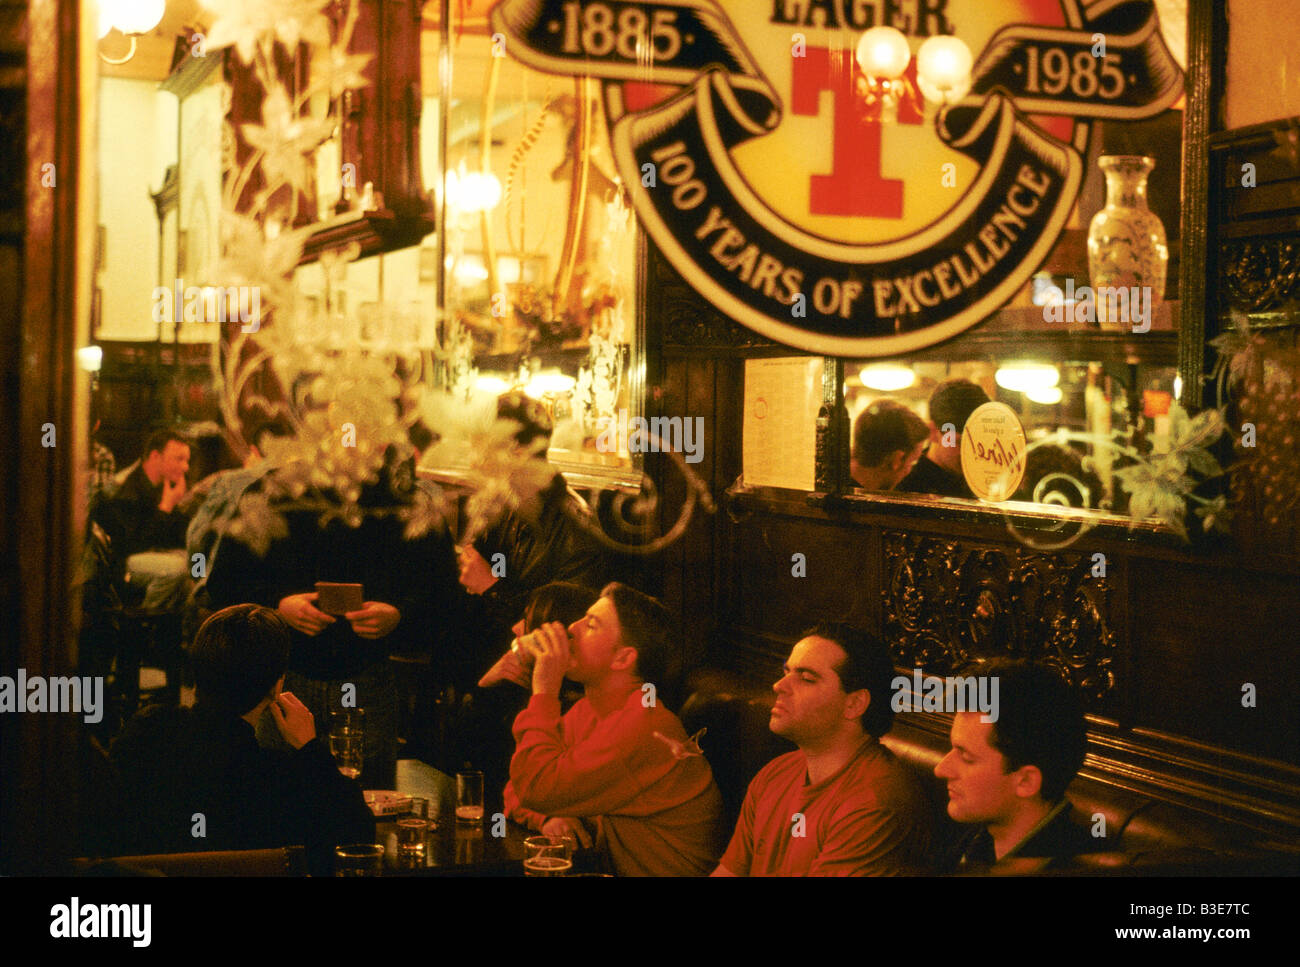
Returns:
<point x="1126" y="244"/>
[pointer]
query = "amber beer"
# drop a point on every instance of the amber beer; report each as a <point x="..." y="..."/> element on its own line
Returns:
<point x="547" y="866"/>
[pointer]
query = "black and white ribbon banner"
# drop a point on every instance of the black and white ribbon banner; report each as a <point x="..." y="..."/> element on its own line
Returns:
<point x="864" y="299"/>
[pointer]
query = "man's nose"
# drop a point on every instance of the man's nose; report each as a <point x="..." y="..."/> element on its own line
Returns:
<point x="942" y="770"/>
<point x="780" y="686"/>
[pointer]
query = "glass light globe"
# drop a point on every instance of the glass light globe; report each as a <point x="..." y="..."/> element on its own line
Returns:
<point x="107" y="15"/>
<point x="943" y="66"/>
<point x="883" y="52"/>
<point x="1024" y="377"/>
<point x="139" y="16"/>
<point x="1049" y="396"/>
<point x="887" y="377"/>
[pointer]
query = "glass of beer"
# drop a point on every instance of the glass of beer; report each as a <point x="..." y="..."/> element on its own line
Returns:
<point x="547" y="856"/>
<point x="469" y="796"/>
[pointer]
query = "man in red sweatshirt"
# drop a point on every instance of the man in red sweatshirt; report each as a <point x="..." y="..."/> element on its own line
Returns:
<point x="841" y="805"/>
<point x="618" y="760"/>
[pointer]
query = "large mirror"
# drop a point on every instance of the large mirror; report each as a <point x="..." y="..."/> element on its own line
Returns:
<point x="520" y="270"/>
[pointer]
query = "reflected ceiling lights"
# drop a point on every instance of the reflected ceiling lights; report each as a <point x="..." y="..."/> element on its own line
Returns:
<point x="1025" y="377"/>
<point x="887" y="377"/>
<point x="943" y="72"/>
<point x="1047" y="397"/>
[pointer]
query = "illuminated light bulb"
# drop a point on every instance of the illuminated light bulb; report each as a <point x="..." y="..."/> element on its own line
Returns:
<point x="138" y="16"/>
<point x="473" y="191"/>
<point x="943" y="66"/>
<point x="491" y="384"/>
<point x="887" y="377"/>
<point x="1047" y="397"/>
<point x="1178" y="387"/>
<point x="552" y="382"/>
<point x="883" y="52"/>
<point x="1023" y="377"/>
<point x="90" y="358"/>
<point x="107" y="13"/>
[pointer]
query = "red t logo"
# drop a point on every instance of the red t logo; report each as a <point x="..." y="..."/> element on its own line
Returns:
<point x="855" y="185"/>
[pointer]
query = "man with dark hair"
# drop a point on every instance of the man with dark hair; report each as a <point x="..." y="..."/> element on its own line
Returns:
<point x="143" y="514"/>
<point x="194" y="778"/>
<point x="887" y="441"/>
<point x="939" y="470"/>
<point x="1008" y="777"/>
<point x="841" y="805"/>
<point x="146" y="525"/>
<point x="618" y="760"/>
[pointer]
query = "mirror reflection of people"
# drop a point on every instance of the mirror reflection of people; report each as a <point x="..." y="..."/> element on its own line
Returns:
<point x="939" y="469"/>
<point x="887" y="441"/>
<point x="146" y="525"/>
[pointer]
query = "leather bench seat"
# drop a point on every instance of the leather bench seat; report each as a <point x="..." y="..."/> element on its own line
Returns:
<point x="1143" y="834"/>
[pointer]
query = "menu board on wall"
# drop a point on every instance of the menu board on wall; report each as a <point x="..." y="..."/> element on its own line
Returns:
<point x="782" y="397"/>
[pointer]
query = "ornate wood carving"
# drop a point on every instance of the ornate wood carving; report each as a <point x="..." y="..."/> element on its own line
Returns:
<point x="685" y="320"/>
<point x="1259" y="275"/>
<point x="948" y="601"/>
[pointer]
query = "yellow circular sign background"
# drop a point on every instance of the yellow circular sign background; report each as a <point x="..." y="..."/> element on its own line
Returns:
<point x="993" y="452"/>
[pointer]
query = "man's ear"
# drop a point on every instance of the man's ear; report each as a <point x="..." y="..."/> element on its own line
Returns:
<point x="624" y="659"/>
<point x="858" y="702"/>
<point x="1028" y="781"/>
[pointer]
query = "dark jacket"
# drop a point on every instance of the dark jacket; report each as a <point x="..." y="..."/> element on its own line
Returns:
<point x="173" y="763"/>
<point x="927" y="477"/>
<point x="133" y="521"/>
<point x="418" y="577"/>
<point x="1055" y="843"/>
<point x="540" y="548"/>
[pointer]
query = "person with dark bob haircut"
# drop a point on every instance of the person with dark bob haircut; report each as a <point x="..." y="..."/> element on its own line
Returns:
<point x="1007" y="777"/>
<point x="194" y="779"/>
<point x="862" y="812"/>
<point x="617" y="770"/>
<point x="887" y="441"/>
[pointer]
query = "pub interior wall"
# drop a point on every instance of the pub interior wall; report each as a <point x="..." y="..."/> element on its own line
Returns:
<point x="1263" y="69"/>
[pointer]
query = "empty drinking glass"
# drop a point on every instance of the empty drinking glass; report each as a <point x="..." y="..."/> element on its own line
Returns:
<point x="361" y="859"/>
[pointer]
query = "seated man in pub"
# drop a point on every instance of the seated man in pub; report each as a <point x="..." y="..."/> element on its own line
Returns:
<point x="339" y="659"/>
<point x="887" y="441"/>
<point x="618" y="762"/>
<point x="145" y="524"/>
<point x="194" y="779"/>
<point x="842" y="804"/>
<point x="1007" y="778"/>
<point x="939" y="469"/>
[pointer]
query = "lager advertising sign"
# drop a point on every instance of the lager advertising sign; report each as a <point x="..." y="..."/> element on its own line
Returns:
<point x="737" y="128"/>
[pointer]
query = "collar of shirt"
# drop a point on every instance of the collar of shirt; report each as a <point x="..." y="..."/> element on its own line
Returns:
<point x="1055" y="811"/>
<point x="868" y="749"/>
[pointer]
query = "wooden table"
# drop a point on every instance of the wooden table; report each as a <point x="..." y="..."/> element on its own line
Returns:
<point x="452" y="848"/>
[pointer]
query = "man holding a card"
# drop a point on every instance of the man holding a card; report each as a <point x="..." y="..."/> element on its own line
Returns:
<point x="351" y="597"/>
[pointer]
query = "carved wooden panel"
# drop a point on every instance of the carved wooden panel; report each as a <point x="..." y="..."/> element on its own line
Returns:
<point x="1260" y="275"/>
<point x="948" y="601"/>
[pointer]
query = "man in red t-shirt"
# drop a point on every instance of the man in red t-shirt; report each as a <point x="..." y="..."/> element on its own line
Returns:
<point x="618" y="761"/>
<point x="841" y="805"/>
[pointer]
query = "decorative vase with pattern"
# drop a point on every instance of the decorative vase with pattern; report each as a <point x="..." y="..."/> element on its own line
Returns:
<point x="1126" y="241"/>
